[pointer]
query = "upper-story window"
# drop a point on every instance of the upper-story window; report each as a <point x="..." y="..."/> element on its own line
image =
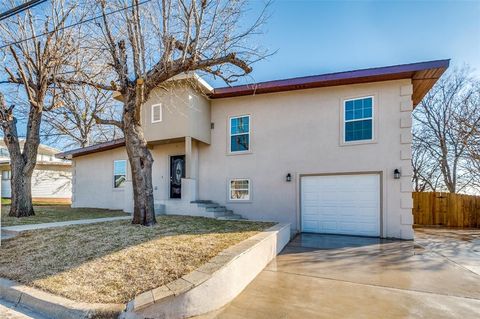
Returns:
<point x="358" y="119"/>
<point x="240" y="134"/>
<point x="156" y="113"/>
<point x="119" y="173"/>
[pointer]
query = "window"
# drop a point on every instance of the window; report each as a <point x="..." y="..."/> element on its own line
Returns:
<point x="239" y="189"/>
<point x="4" y="152"/>
<point x="240" y="134"/>
<point x="358" y="116"/>
<point x="119" y="173"/>
<point x="6" y="175"/>
<point x="156" y="113"/>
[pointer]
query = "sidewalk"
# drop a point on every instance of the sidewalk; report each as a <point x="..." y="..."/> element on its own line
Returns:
<point x="21" y="228"/>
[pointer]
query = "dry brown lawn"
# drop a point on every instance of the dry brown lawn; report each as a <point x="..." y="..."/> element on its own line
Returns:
<point x="112" y="262"/>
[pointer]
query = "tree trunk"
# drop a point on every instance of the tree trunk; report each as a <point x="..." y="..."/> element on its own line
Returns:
<point x="141" y="162"/>
<point x="22" y="162"/>
<point x="21" y="184"/>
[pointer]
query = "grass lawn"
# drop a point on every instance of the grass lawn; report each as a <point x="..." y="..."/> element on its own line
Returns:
<point x="114" y="261"/>
<point x="57" y="213"/>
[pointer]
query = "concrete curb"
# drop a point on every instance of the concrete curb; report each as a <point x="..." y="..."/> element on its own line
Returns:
<point x="52" y="306"/>
<point x="214" y="284"/>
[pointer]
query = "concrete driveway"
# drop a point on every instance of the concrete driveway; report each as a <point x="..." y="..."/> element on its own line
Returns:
<point x="328" y="276"/>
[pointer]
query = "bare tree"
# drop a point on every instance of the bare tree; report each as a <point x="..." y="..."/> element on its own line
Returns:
<point x="32" y="62"/>
<point x="469" y="129"/>
<point x="74" y="124"/>
<point x="446" y="123"/>
<point x="146" y="44"/>
<point x="426" y="173"/>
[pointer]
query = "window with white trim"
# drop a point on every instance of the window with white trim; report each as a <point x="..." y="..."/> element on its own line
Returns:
<point x="156" y="113"/>
<point x="240" y="134"/>
<point x="119" y="173"/>
<point x="358" y="119"/>
<point x="239" y="189"/>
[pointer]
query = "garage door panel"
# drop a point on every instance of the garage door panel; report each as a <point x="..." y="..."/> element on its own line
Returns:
<point x="328" y="226"/>
<point x="341" y="204"/>
<point x="311" y="225"/>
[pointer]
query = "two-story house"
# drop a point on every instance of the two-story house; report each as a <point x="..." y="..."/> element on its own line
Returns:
<point x="51" y="179"/>
<point x="328" y="153"/>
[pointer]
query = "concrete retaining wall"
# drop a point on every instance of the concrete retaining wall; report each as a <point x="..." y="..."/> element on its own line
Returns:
<point x="215" y="284"/>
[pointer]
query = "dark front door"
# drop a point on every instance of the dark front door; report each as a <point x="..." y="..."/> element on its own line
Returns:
<point x="177" y="172"/>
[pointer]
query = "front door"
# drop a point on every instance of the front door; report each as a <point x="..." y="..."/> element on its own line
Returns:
<point x="177" y="172"/>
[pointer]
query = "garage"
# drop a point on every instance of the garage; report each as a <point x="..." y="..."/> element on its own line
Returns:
<point x="341" y="204"/>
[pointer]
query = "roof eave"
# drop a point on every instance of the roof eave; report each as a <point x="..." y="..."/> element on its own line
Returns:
<point x="91" y="149"/>
<point x="423" y="71"/>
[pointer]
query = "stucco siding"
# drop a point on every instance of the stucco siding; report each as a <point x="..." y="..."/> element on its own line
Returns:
<point x="301" y="133"/>
<point x="184" y="113"/>
<point x="93" y="182"/>
<point x="161" y="168"/>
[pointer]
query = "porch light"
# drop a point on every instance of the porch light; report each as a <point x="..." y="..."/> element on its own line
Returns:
<point x="289" y="177"/>
<point x="396" y="173"/>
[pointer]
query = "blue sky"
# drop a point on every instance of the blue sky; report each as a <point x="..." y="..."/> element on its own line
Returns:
<point x="314" y="37"/>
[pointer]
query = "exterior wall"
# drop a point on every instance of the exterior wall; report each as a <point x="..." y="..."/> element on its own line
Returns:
<point x="6" y="187"/>
<point x="48" y="181"/>
<point x="300" y="132"/>
<point x="93" y="182"/>
<point x="52" y="182"/>
<point x="184" y="113"/>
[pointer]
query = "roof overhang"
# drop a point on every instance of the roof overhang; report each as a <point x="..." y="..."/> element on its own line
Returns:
<point x="197" y="81"/>
<point x="92" y="149"/>
<point x="423" y="75"/>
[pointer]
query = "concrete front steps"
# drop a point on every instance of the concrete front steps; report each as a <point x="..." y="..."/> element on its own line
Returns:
<point x="215" y="210"/>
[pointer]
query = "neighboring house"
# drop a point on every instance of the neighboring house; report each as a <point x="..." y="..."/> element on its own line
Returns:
<point x="328" y="153"/>
<point x="51" y="179"/>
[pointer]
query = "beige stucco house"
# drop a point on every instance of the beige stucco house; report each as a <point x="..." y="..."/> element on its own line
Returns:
<point x="328" y="153"/>
<point x="51" y="179"/>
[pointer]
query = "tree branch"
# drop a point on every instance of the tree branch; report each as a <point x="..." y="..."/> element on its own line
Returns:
<point x="99" y="120"/>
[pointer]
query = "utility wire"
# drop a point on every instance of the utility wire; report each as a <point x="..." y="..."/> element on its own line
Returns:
<point x="75" y="24"/>
<point x="18" y="9"/>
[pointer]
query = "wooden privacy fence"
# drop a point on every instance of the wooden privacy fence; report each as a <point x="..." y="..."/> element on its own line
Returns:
<point x="446" y="209"/>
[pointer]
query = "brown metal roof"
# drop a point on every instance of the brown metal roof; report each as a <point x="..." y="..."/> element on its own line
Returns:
<point x="92" y="149"/>
<point x="423" y="75"/>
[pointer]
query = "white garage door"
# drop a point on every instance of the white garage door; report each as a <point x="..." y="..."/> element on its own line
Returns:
<point x="341" y="204"/>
